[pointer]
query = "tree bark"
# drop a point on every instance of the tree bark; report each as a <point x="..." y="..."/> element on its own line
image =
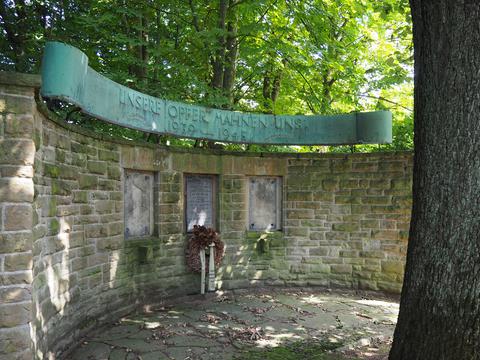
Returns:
<point x="440" y="305"/>
<point x="218" y="61"/>
<point x="230" y="70"/>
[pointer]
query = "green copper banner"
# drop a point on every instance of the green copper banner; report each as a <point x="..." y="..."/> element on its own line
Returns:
<point x="67" y="76"/>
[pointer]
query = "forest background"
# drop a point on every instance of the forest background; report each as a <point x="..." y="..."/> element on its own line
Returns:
<point x="268" y="56"/>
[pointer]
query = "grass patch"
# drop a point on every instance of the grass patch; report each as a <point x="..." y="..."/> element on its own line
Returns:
<point x="301" y="350"/>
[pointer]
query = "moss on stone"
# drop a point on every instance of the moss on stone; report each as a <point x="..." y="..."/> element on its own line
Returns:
<point x="54" y="226"/>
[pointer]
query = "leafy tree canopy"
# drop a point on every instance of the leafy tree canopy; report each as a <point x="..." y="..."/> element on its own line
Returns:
<point x="271" y="56"/>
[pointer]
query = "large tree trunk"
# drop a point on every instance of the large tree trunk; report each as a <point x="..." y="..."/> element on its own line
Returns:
<point x="440" y="306"/>
<point x="218" y="60"/>
<point x="230" y="70"/>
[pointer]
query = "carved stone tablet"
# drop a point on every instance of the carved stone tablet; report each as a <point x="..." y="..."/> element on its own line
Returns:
<point x="138" y="204"/>
<point x="199" y="200"/>
<point x="265" y="200"/>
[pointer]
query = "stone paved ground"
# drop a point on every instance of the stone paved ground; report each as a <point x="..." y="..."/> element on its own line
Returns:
<point x="230" y="325"/>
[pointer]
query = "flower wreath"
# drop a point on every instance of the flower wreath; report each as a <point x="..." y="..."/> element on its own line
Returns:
<point x="201" y="238"/>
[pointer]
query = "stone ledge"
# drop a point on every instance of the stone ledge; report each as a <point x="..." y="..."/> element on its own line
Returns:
<point x="20" y="79"/>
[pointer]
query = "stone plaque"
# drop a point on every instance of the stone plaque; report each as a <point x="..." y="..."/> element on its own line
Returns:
<point x="199" y="200"/>
<point x="265" y="203"/>
<point x="138" y="204"/>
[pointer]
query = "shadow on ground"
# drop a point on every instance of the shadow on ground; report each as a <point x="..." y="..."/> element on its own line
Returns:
<point x="251" y="324"/>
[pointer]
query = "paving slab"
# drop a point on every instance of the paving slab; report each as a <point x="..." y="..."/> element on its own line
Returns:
<point x="228" y="325"/>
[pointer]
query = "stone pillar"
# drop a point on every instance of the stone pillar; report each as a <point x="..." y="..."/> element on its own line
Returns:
<point x="17" y="153"/>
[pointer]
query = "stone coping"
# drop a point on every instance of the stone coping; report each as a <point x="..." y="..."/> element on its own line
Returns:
<point x="20" y="79"/>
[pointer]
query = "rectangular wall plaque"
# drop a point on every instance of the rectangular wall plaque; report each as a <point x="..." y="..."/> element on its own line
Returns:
<point x="265" y="203"/>
<point x="199" y="199"/>
<point x="138" y="204"/>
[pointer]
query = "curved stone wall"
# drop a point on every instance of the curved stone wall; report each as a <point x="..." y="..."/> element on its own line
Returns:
<point x="66" y="265"/>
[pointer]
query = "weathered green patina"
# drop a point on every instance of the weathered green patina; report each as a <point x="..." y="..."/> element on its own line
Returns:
<point x="67" y="76"/>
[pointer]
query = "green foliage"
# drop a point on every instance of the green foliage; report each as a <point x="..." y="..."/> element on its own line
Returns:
<point x="282" y="57"/>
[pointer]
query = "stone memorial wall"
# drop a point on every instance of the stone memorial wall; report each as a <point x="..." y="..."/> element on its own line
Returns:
<point x="69" y="197"/>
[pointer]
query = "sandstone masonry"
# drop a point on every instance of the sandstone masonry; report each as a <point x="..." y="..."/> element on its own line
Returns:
<point x="65" y="265"/>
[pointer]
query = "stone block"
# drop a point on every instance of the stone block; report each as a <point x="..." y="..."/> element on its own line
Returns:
<point x="110" y="243"/>
<point x="79" y="160"/>
<point x="108" y="185"/>
<point x="341" y="165"/>
<point x="14" y="294"/>
<point x="96" y="230"/>
<point x="380" y="184"/>
<point x="323" y="196"/>
<point x="299" y="269"/>
<point x="390" y="166"/>
<point x="369" y="224"/>
<point x="15" y="242"/>
<point x="16" y="190"/>
<point x="330" y="185"/>
<point x="348" y="184"/>
<point x="337" y="235"/>
<point x="346" y="226"/>
<point x="83" y="149"/>
<point x="170" y="198"/>
<point x="86" y="209"/>
<point x="18" y="217"/>
<point x="365" y="166"/>
<point x="375" y="254"/>
<point x="61" y="187"/>
<point x="320" y="268"/>
<point x="403" y="201"/>
<point x="322" y="165"/>
<point x="300" y="214"/>
<point x="14" y="340"/>
<point x="19" y="125"/>
<point x="299" y="196"/>
<point x="16" y="104"/>
<point x="17" y="151"/>
<point x="97" y="167"/>
<point x="80" y="196"/>
<point x="60" y="171"/>
<point x="115" y="228"/>
<point x="319" y="251"/>
<point x="16" y="278"/>
<point x="87" y="182"/>
<point x="106" y="155"/>
<point x="402" y="184"/>
<point x="341" y="268"/>
<point x="297" y="231"/>
<point x="13" y="315"/>
<point x="18" y="261"/>
<point x="376" y="200"/>
<point x="16" y="171"/>
<point x="299" y="181"/>
<point x="349" y="254"/>
<point x="393" y="266"/>
<point x="114" y="172"/>
<point x="317" y="235"/>
<point x="385" y="234"/>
